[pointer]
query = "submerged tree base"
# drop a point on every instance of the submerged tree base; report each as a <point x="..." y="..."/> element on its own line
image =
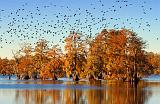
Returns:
<point x="26" y="77"/>
<point x="76" y="78"/>
<point x="136" y="80"/>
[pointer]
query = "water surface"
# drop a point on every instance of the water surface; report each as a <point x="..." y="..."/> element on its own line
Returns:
<point x="65" y="91"/>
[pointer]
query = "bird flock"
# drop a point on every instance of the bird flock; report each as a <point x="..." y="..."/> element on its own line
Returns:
<point x="54" y="22"/>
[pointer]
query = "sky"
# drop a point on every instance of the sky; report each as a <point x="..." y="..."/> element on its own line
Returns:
<point x="27" y="21"/>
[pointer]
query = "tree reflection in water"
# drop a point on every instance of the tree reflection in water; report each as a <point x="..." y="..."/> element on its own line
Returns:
<point x="127" y="93"/>
<point x="111" y="93"/>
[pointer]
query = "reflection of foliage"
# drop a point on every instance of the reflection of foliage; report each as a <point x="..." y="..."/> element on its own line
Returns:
<point x="38" y="96"/>
<point x="116" y="93"/>
<point x="128" y="93"/>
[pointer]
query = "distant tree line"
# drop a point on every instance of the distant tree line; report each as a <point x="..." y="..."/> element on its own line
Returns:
<point x="109" y="55"/>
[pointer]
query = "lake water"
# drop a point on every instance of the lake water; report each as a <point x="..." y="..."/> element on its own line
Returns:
<point x="64" y="91"/>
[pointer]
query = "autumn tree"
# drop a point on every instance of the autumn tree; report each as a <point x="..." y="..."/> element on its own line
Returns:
<point x="54" y="66"/>
<point x="96" y="53"/>
<point x="75" y="54"/>
<point x="39" y="57"/>
<point x="17" y="55"/>
<point x="114" y="53"/>
<point x="24" y="61"/>
<point x="25" y="67"/>
<point x="154" y="62"/>
<point x="1" y="62"/>
<point x="7" y="67"/>
<point x="135" y="55"/>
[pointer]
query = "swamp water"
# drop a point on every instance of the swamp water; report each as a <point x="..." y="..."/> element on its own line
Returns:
<point x="65" y="91"/>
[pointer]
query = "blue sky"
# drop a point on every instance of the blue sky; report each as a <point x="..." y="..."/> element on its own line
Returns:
<point x="29" y="20"/>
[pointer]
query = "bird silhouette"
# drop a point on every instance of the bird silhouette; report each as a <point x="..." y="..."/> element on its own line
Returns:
<point x="24" y="24"/>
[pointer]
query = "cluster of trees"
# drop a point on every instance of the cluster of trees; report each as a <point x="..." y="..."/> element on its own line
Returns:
<point x="111" y="54"/>
<point x="38" y="62"/>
